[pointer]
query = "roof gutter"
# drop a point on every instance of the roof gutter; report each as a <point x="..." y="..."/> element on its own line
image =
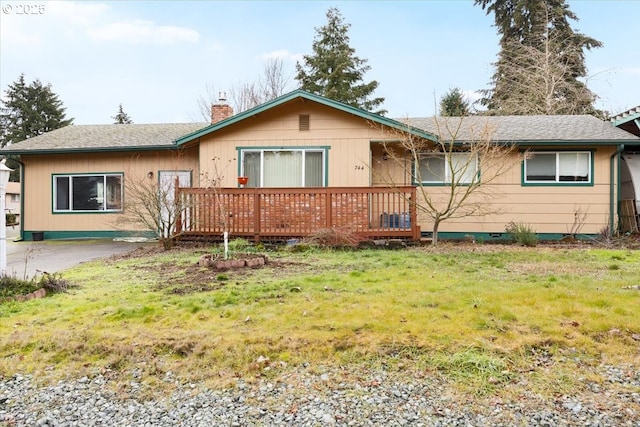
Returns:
<point x="615" y="158"/>
<point x="90" y="150"/>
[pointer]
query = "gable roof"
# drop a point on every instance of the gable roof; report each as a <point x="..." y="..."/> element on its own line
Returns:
<point x="113" y="137"/>
<point x="538" y="130"/>
<point x="628" y="120"/>
<point x="524" y="130"/>
<point x="301" y="94"/>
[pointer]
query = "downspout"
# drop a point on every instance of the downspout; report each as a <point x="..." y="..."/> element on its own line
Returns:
<point x="612" y="184"/>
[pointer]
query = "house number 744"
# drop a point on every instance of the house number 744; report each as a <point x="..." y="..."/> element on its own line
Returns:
<point x="359" y="167"/>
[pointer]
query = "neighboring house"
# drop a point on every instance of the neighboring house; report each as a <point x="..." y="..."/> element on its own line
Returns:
<point x="628" y="120"/>
<point x="12" y="200"/>
<point x="629" y="171"/>
<point x="301" y="150"/>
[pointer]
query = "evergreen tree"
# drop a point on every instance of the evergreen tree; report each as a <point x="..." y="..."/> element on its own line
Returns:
<point x="333" y="70"/>
<point x="121" y="118"/>
<point x="541" y="58"/>
<point x="454" y="104"/>
<point x="28" y="110"/>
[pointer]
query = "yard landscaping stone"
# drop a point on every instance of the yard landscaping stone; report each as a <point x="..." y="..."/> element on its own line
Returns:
<point x="304" y="397"/>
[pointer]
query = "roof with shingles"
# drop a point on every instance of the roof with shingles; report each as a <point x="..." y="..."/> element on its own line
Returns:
<point x="114" y="137"/>
<point x="533" y="130"/>
<point x="525" y="129"/>
<point x="626" y="116"/>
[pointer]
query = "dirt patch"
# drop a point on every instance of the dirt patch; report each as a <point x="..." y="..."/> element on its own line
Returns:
<point x="179" y="278"/>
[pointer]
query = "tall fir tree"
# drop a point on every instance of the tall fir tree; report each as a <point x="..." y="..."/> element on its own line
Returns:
<point x="29" y="110"/>
<point x="541" y="60"/>
<point x="121" y="118"/>
<point x="454" y="104"/>
<point x="334" y="71"/>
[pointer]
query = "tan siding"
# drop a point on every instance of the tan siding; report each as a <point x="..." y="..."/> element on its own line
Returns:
<point x="548" y="209"/>
<point x="38" y="185"/>
<point x="348" y="138"/>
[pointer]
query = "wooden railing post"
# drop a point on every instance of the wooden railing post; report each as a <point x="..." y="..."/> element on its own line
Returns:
<point x="257" y="214"/>
<point x="328" y="196"/>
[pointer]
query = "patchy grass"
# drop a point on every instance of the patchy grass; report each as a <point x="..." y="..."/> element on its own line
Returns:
<point x="480" y="315"/>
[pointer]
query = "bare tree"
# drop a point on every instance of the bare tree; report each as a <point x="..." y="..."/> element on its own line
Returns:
<point x="538" y="78"/>
<point x="245" y="96"/>
<point x="541" y="76"/>
<point x="465" y="166"/>
<point x="220" y="206"/>
<point x="152" y="205"/>
<point x="205" y="102"/>
<point x="274" y="82"/>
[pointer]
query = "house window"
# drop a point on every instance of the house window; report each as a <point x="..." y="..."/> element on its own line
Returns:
<point x="14" y="198"/>
<point x="87" y="193"/>
<point x="558" y="167"/>
<point x="284" y="168"/>
<point x="457" y="168"/>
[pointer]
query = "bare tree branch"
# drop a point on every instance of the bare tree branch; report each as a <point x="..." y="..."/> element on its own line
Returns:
<point x="464" y="170"/>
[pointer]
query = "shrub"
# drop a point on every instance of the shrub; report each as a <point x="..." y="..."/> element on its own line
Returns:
<point x="53" y="282"/>
<point x="10" y="218"/>
<point x="522" y="234"/>
<point x="336" y="237"/>
<point x="11" y="286"/>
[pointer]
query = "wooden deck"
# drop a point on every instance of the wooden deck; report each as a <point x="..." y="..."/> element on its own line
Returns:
<point x="285" y="213"/>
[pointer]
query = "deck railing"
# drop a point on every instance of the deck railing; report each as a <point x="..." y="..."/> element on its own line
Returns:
<point x="282" y="213"/>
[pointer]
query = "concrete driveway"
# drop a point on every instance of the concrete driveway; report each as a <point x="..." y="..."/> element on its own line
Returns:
<point x="27" y="259"/>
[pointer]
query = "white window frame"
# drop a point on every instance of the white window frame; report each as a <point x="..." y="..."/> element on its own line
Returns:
<point x="466" y="179"/>
<point x="557" y="180"/>
<point x="304" y="151"/>
<point x="100" y="198"/>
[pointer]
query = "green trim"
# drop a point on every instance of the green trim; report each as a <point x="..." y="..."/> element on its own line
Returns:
<point x="96" y="234"/>
<point x="626" y="119"/>
<point x="502" y="236"/>
<point x="324" y="148"/>
<point x="443" y="183"/>
<point x="589" y="183"/>
<point x="283" y="147"/>
<point x="614" y="196"/>
<point x="564" y="144"/>
<point x="92" y="150"/>
<point x="301" y="94"/>
<point x="75" y="212"/>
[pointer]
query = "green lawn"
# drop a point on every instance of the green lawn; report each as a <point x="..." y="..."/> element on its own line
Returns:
<point x="482" y="315"/>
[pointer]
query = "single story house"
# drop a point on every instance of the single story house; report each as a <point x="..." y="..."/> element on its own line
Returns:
<point x="302" y="162"/>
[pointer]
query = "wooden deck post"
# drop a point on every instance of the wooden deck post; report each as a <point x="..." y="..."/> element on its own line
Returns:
<point x="257" y="214"/>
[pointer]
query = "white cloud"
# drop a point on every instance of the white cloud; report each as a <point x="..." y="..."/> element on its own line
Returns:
<point x="282" y="54"/>
<point x="54" y="18"/>
<point x="140" y="31"/>
<point x="78" y="13"/>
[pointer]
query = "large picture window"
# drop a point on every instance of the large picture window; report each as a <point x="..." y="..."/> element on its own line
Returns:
<point x="437" y="169"/>
<point x="558" y="167"/>
<point x="87" y="193"/>
<point x="284" y="168"/>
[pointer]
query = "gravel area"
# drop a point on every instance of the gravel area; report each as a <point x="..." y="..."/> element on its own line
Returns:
<point x="306" y="398"/>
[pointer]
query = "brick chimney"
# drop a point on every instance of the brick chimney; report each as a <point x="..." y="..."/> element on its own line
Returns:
<point x="221" y="110"/>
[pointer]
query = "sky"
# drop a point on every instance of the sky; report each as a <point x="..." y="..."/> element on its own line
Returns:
<point x="157" y="58"/>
